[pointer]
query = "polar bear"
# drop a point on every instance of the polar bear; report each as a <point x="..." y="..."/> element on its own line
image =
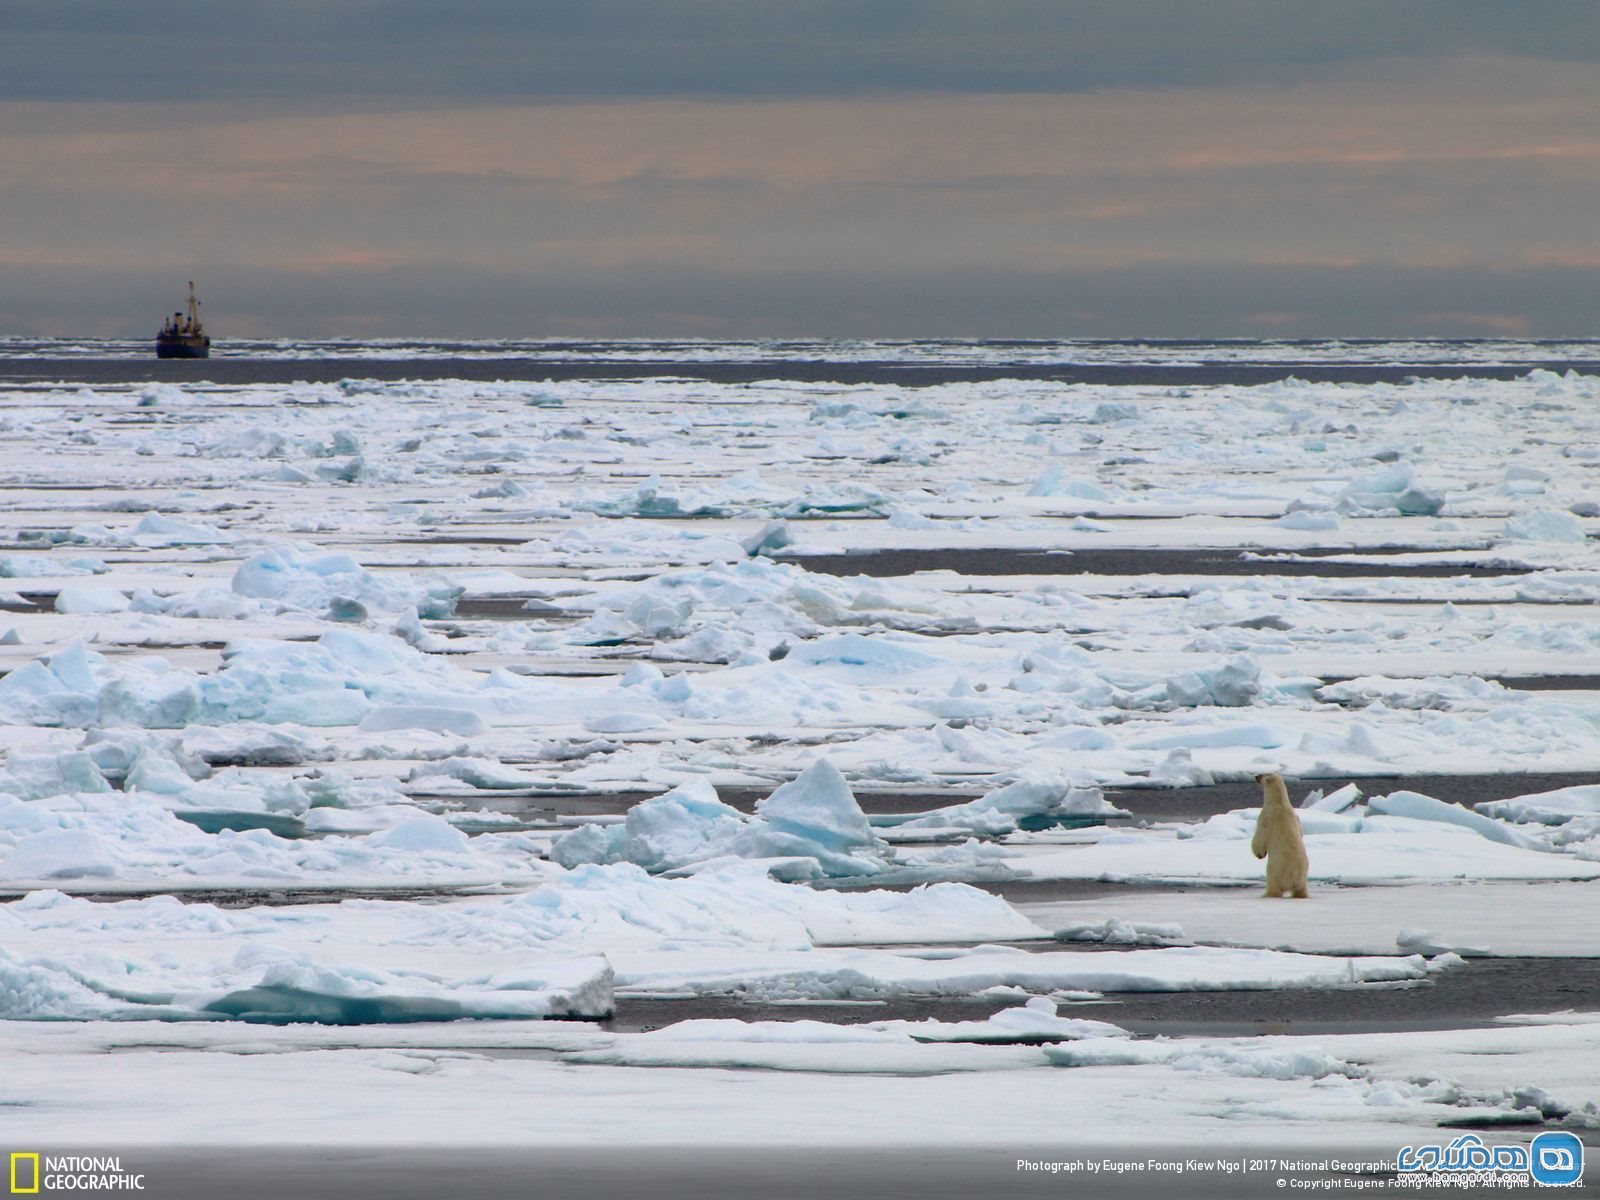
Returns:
<point x="1278" y="840"/>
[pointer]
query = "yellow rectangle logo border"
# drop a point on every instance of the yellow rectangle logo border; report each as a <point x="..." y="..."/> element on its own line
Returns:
<point x="24" y="1156"/>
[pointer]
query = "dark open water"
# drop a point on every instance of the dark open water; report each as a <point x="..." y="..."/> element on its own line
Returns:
<point x="908" y="363"/>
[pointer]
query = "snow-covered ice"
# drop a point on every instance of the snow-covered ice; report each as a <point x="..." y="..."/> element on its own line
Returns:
<point x="415" y="638"/>
<point x="1511" y="919"/>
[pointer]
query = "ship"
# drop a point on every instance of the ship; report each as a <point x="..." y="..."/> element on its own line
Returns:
<point x="183" y="336"/>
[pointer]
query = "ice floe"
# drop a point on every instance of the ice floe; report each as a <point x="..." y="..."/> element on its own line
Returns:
<point x="810" y="827"/>
<point x="344" y="616"/>
<point x="266" y="986"/>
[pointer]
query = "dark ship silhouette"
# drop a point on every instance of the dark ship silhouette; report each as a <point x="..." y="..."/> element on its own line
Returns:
<point x="183" y="336"/>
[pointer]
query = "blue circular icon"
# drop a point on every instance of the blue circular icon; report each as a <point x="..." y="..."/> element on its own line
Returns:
<point x="1556" y="1159"/>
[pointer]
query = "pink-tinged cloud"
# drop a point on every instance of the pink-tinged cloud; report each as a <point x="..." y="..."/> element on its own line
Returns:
<point x="1488" y="164"/>
<point x="1501" y="324"/>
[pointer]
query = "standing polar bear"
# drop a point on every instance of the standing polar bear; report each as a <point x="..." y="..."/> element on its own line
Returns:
<point x="1278" y="840"/>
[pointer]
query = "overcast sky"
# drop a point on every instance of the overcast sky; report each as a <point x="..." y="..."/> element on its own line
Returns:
<point x="751" y="167"/>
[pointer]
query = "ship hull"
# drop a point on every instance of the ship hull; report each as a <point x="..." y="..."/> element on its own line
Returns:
<point x="183" y="347"/>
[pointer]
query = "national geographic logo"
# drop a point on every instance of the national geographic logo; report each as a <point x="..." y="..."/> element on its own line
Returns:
<point x="24" y="1174"/>
<point x="33" y="1173"/>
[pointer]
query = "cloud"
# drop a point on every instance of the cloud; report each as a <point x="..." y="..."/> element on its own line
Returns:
<point x="1148" y="299"/>
<point x="1475" y="162"/>
<point x="569" y="214"/>
<point x="474" y="50"/>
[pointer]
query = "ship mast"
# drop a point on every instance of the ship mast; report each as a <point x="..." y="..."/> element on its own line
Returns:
<point x="194" y="310"/>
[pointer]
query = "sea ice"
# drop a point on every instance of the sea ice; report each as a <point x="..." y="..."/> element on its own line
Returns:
<point x="1546" y="525"/>
<point x="264" y="985"/>
<point x="875" y="974"/>
<point x="57" y="854"/>
<point x="1426" y="808"/>
<point x="436" y="719"/>
<point x="292" y="580"/>
<point x="34" y="776"/>
<point x="80" y="599"/>
<point x="1000" y="811"/>
<point x="813" y="824"/>
<point x="1548" y="808"/>
<point x="1393" y="488"/>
